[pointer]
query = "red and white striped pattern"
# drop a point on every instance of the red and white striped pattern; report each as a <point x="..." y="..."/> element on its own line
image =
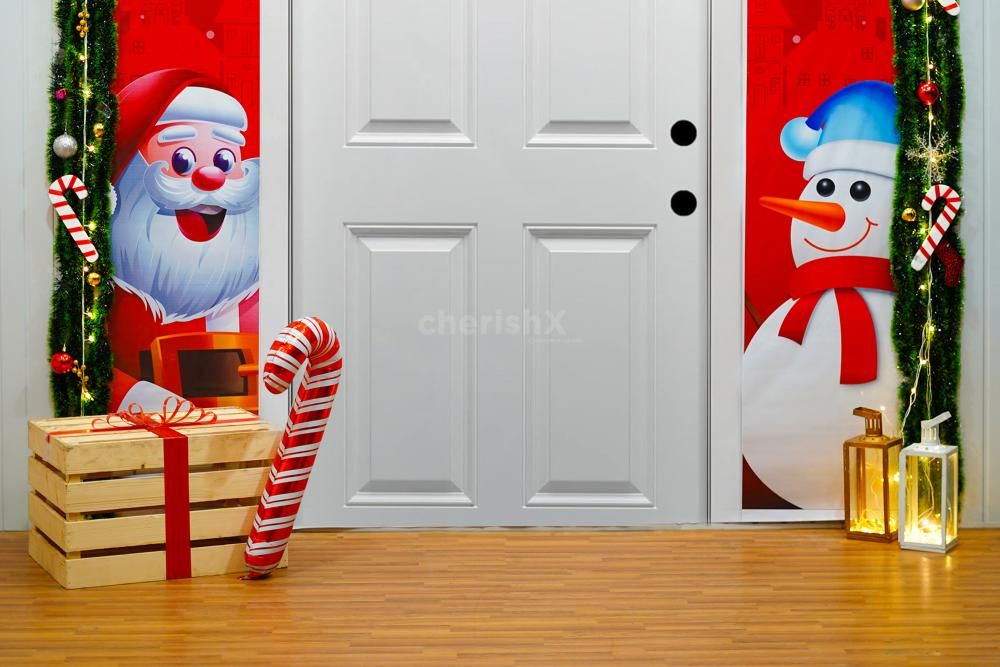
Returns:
<point x="950" y="6"/>
<point x="952" y="202"/>
<point x="312" y="343"/>
<point x="57" y="192"/>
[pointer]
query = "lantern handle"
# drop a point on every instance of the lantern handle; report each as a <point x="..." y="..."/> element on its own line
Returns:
<point x="873" y="420"/>
<point x="929" y="428"/>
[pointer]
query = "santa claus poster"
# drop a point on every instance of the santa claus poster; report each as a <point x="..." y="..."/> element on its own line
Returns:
<point x="186" y="177"/>
<point x="820" y="165"/>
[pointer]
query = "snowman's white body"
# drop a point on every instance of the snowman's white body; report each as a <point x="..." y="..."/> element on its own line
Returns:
<point x="796" y="413"/>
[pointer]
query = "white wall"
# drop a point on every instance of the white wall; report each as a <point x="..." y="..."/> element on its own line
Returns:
<point x="25" y="244"/>
<point x="26" y="259"/>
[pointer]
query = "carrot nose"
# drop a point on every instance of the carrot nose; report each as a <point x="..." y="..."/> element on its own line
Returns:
<point x="825" y="215"/>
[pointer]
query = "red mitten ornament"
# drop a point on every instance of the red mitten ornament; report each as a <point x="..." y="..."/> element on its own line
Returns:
<point x="953" y="262"/>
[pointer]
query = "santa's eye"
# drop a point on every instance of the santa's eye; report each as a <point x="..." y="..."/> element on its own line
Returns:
<point x="225" y="160"/>
<point x="183" y="161"/>
<point x="825" y="187"/>
<point x="861" y="191"/>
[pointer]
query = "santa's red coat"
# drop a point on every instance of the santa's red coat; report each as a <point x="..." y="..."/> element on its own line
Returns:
<point x="132" y="327"/>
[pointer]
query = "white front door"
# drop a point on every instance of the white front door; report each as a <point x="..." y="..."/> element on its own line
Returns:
<point x="500" y="208"/>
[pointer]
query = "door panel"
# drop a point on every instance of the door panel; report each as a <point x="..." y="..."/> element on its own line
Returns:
<point x="589" y="389"/>
<point x="589" y="72"/>
<point x="411" y="72"/>
<point x="399" y="275"/>
<point x="474" y="202"/>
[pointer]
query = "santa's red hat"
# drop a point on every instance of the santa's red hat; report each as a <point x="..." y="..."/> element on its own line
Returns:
<point x="168" y="96"/>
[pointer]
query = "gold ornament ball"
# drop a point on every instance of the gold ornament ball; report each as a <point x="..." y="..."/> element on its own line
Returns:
<point x="98" y="130"/>
<point x="93" y="279"/>
<point x="913" y="5"/>
<point x="910" y="215"/>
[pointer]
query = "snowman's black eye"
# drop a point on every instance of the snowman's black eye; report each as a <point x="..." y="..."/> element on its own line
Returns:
<point x="825" y="187"/>
<point x="861" y="191"/>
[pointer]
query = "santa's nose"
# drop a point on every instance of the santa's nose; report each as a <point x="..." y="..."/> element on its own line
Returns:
<point x="208" y="178"/>
<point x="825" y="215"/>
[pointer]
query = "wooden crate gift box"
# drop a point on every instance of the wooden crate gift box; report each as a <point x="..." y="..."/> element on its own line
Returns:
<point x="99" y="504"/>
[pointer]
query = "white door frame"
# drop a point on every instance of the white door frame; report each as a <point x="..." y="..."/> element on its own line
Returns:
<point x="728" y="192"/>
<point x="726" y="185"/>
<point x="276" y="147"/>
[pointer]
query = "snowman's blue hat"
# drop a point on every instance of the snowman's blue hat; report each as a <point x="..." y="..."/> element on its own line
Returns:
<point x="863" y="114"/>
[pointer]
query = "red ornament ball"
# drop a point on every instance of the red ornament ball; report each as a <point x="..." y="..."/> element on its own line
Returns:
<point x="929" y="93"/>
<point x="61" y="363"/>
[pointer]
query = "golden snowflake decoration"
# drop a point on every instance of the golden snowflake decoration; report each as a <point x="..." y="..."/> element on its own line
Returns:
<point x="935" y="153"/>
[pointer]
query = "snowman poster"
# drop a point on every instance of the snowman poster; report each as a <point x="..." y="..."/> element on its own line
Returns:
<point x="821" y="158"/>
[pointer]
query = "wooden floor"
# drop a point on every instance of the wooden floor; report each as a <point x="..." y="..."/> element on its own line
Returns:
<point x="736" y="597"/>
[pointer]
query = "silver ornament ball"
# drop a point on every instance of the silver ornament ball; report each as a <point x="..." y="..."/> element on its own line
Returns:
<point x="913" y="5"/>
<point x="64" y="146"/>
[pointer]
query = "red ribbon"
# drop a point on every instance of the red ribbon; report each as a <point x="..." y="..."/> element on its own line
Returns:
<point x="845" y="276"/>
<point x="176" y="492"/>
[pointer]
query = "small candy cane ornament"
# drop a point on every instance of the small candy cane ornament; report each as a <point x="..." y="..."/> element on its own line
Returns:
<point x="952" y="203"/>
<point x="65" y="212"/>
<point x="950" y="6"/>
<point x="312" y="343"/>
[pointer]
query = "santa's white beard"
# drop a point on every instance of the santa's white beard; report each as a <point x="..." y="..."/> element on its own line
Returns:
<point x="184" y="279"/>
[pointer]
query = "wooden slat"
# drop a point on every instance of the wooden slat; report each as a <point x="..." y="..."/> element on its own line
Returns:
<point x="46" y="482"/>
<point x="132" y="568"/>
<point x="141" y="491"/>
<point x="139" y="449"/>
<point x="115" y="494"/>
<point x="130" y="531"/>
<point x="47" y="520"/>
<point x="47" y="556"/>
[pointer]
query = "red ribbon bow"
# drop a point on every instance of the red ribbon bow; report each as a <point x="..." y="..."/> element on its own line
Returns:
<point x="844" y="275"/>
<point x="176" y="412"/>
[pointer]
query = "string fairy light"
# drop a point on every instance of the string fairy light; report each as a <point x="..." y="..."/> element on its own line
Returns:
<point x="85" y="91"/>
<point x="927" y="286"/>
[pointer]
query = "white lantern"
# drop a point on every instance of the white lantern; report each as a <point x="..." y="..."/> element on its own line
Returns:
<point x="928" y="495"/>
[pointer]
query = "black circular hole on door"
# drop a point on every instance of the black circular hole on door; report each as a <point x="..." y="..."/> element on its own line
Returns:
<point x="683" y="203"/>
<point x="683" y="133"/>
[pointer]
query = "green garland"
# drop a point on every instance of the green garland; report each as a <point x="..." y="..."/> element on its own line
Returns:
<point x="66" y="116"/>
<point x="910" y="30"/>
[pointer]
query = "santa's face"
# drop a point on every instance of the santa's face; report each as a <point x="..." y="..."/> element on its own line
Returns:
<point x="185" y="231"/>
<point x="206" y="154"/>
<point x="840" y="213"/>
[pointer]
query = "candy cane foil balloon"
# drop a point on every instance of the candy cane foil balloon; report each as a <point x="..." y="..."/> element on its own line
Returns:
<point x="312" y="343"/>
<point x="952" y="202"/>
<point x="951" y="7"/>
<point x="57" y="195"/>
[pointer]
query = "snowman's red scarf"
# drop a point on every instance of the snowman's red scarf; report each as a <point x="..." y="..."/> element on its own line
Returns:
<point x="844" y="275"/>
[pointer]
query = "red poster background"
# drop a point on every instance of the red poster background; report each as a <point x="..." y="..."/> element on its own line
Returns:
<point x="220" y="38"/>
<point x="799" y="52"/>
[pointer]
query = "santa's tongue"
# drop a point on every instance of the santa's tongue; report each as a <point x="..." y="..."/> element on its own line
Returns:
<point x="201" y="223"/>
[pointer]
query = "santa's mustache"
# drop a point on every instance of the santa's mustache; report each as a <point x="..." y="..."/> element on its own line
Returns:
<point x="175" y="194"/>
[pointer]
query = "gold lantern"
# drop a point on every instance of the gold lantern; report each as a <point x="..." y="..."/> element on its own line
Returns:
<point x="871" y="480"/>
<point x="928" y="498"/>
